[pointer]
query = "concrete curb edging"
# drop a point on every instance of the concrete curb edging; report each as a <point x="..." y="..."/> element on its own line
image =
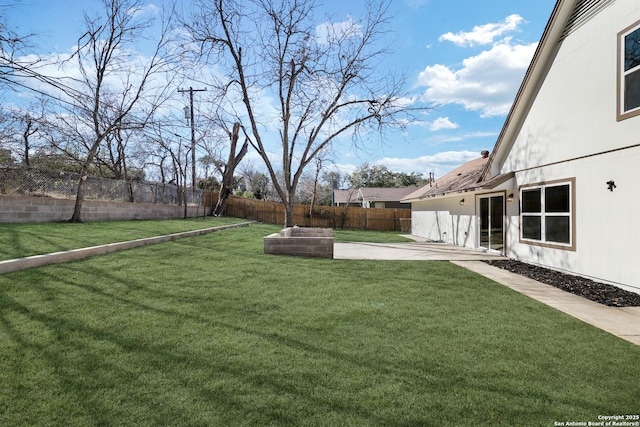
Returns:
<point x="12" y="265"/>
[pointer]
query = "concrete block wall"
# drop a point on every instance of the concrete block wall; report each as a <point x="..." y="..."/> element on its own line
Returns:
<point x="44" y="209"/>
<point x="306" y="232"/>
<point x="301" y="241"/>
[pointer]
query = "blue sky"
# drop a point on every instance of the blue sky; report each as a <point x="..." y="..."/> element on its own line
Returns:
<point x="467" y="56"/>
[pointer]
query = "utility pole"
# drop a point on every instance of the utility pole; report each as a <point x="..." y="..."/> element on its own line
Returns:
<point x="193" y="133"/>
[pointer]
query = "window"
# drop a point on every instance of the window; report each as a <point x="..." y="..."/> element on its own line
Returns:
<point x="547" y="214"/>
<point x="629" y="72"/>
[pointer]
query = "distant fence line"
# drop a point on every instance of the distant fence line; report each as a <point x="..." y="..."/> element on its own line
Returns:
<point x="33" y="182"/>
<point x="337" y="217"/>
<point x="21" y="181"/>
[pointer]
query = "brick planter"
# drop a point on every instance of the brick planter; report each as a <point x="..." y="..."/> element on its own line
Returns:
<point x="301" y="241"/>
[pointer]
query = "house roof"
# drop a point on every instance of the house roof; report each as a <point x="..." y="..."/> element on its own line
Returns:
<point x="462" y="178"/>
<point x="345" y="196"/>
<point x="566" y="16"/>
<point x="372" y="194"/>
<point x="385" y="194"/>
<point x="484" y="173"/>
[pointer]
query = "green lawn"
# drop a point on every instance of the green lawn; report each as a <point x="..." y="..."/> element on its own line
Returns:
<point x="26" y="239"/>
<point x="19" y="240"/>
<point x="209" y="331"/>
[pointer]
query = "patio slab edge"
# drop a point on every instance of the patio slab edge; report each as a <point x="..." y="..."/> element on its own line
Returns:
<point x="9" y="266"/>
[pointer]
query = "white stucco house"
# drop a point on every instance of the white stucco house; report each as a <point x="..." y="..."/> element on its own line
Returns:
<point x="561" y="186"/>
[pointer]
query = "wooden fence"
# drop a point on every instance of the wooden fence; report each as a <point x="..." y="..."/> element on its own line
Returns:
<point x="337" y="217"/>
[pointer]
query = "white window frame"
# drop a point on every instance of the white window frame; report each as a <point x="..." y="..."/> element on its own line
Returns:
<point x="543" y="214"/>
<point x="622" y="113"/>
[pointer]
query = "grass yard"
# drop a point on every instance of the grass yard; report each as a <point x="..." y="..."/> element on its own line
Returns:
<point x="209" y="331"/>
<point x="27" y="239"/>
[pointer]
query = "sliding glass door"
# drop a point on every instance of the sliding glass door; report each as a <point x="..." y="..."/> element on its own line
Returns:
<point x="491" y="222"/>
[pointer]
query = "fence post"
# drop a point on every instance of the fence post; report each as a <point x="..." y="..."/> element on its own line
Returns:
<point x="394" y="220"/>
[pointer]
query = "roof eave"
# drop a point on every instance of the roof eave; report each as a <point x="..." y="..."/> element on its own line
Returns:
<point x="481" y="186"/>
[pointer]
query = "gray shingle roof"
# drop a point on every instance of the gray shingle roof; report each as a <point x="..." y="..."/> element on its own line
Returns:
<point x="464" y="178"/>
<point x="372" y="194"/>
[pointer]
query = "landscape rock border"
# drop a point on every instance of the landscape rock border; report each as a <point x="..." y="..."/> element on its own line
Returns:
<point x="602" y="293"/>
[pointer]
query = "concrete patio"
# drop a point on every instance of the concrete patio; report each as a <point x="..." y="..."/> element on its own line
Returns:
<point x="409" y="252"/>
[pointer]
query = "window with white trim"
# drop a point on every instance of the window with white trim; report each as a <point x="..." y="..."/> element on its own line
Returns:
<point x="629" y="72"/>
<point x="546" y="214"/>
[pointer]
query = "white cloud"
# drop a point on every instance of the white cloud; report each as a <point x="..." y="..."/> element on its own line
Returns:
<point x="444" y="138"/>
<point x="149" y="9"/>
<point x="439" y="163"/>
<point x="484" y="34"/>
<point x="438" y="124"/>
<point x="343" y="168"/>
<point x="416" y="4"/>
<point x="442" y="123"/>
<point x="346" y="29"/>
<point x="486" y="83"/>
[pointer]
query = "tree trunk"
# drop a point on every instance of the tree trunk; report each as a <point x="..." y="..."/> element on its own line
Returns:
<point x="229" y="169"/>
<point x="288" y="213"/>
<point x="125" y="173"/>
<point x="77" y="210"/>
<point x="223" y="198"/>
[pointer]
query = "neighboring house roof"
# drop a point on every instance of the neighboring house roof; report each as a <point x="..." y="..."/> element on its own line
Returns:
<point x="385" y="194"/>
<point x="371" y="194"/>
<point x="345" y="196"/>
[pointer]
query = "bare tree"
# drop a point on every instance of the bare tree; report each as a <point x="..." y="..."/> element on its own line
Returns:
<point x="323" y="78"/>
<point x="256" y="182"/>
<point x="222" y="156"/>
<point x="116" y="88"/>
<point x="309" y="187"/>
<point x="11" y="44"/>
<point x="18" y="129"/>
<point x="21" y="69"/>
<point x="170" y="154"/>
<point x="13" y="66"/>
<point x="316" y="176"/>
<point x="229" y="168"/>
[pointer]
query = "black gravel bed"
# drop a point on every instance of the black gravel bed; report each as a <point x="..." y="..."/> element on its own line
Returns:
<point x="602" y="293"/>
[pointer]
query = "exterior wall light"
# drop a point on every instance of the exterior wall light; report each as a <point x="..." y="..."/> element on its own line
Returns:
<point x="461" y="202"/>
<point x="611" y="184"/>
<point x="510" y="198"/>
